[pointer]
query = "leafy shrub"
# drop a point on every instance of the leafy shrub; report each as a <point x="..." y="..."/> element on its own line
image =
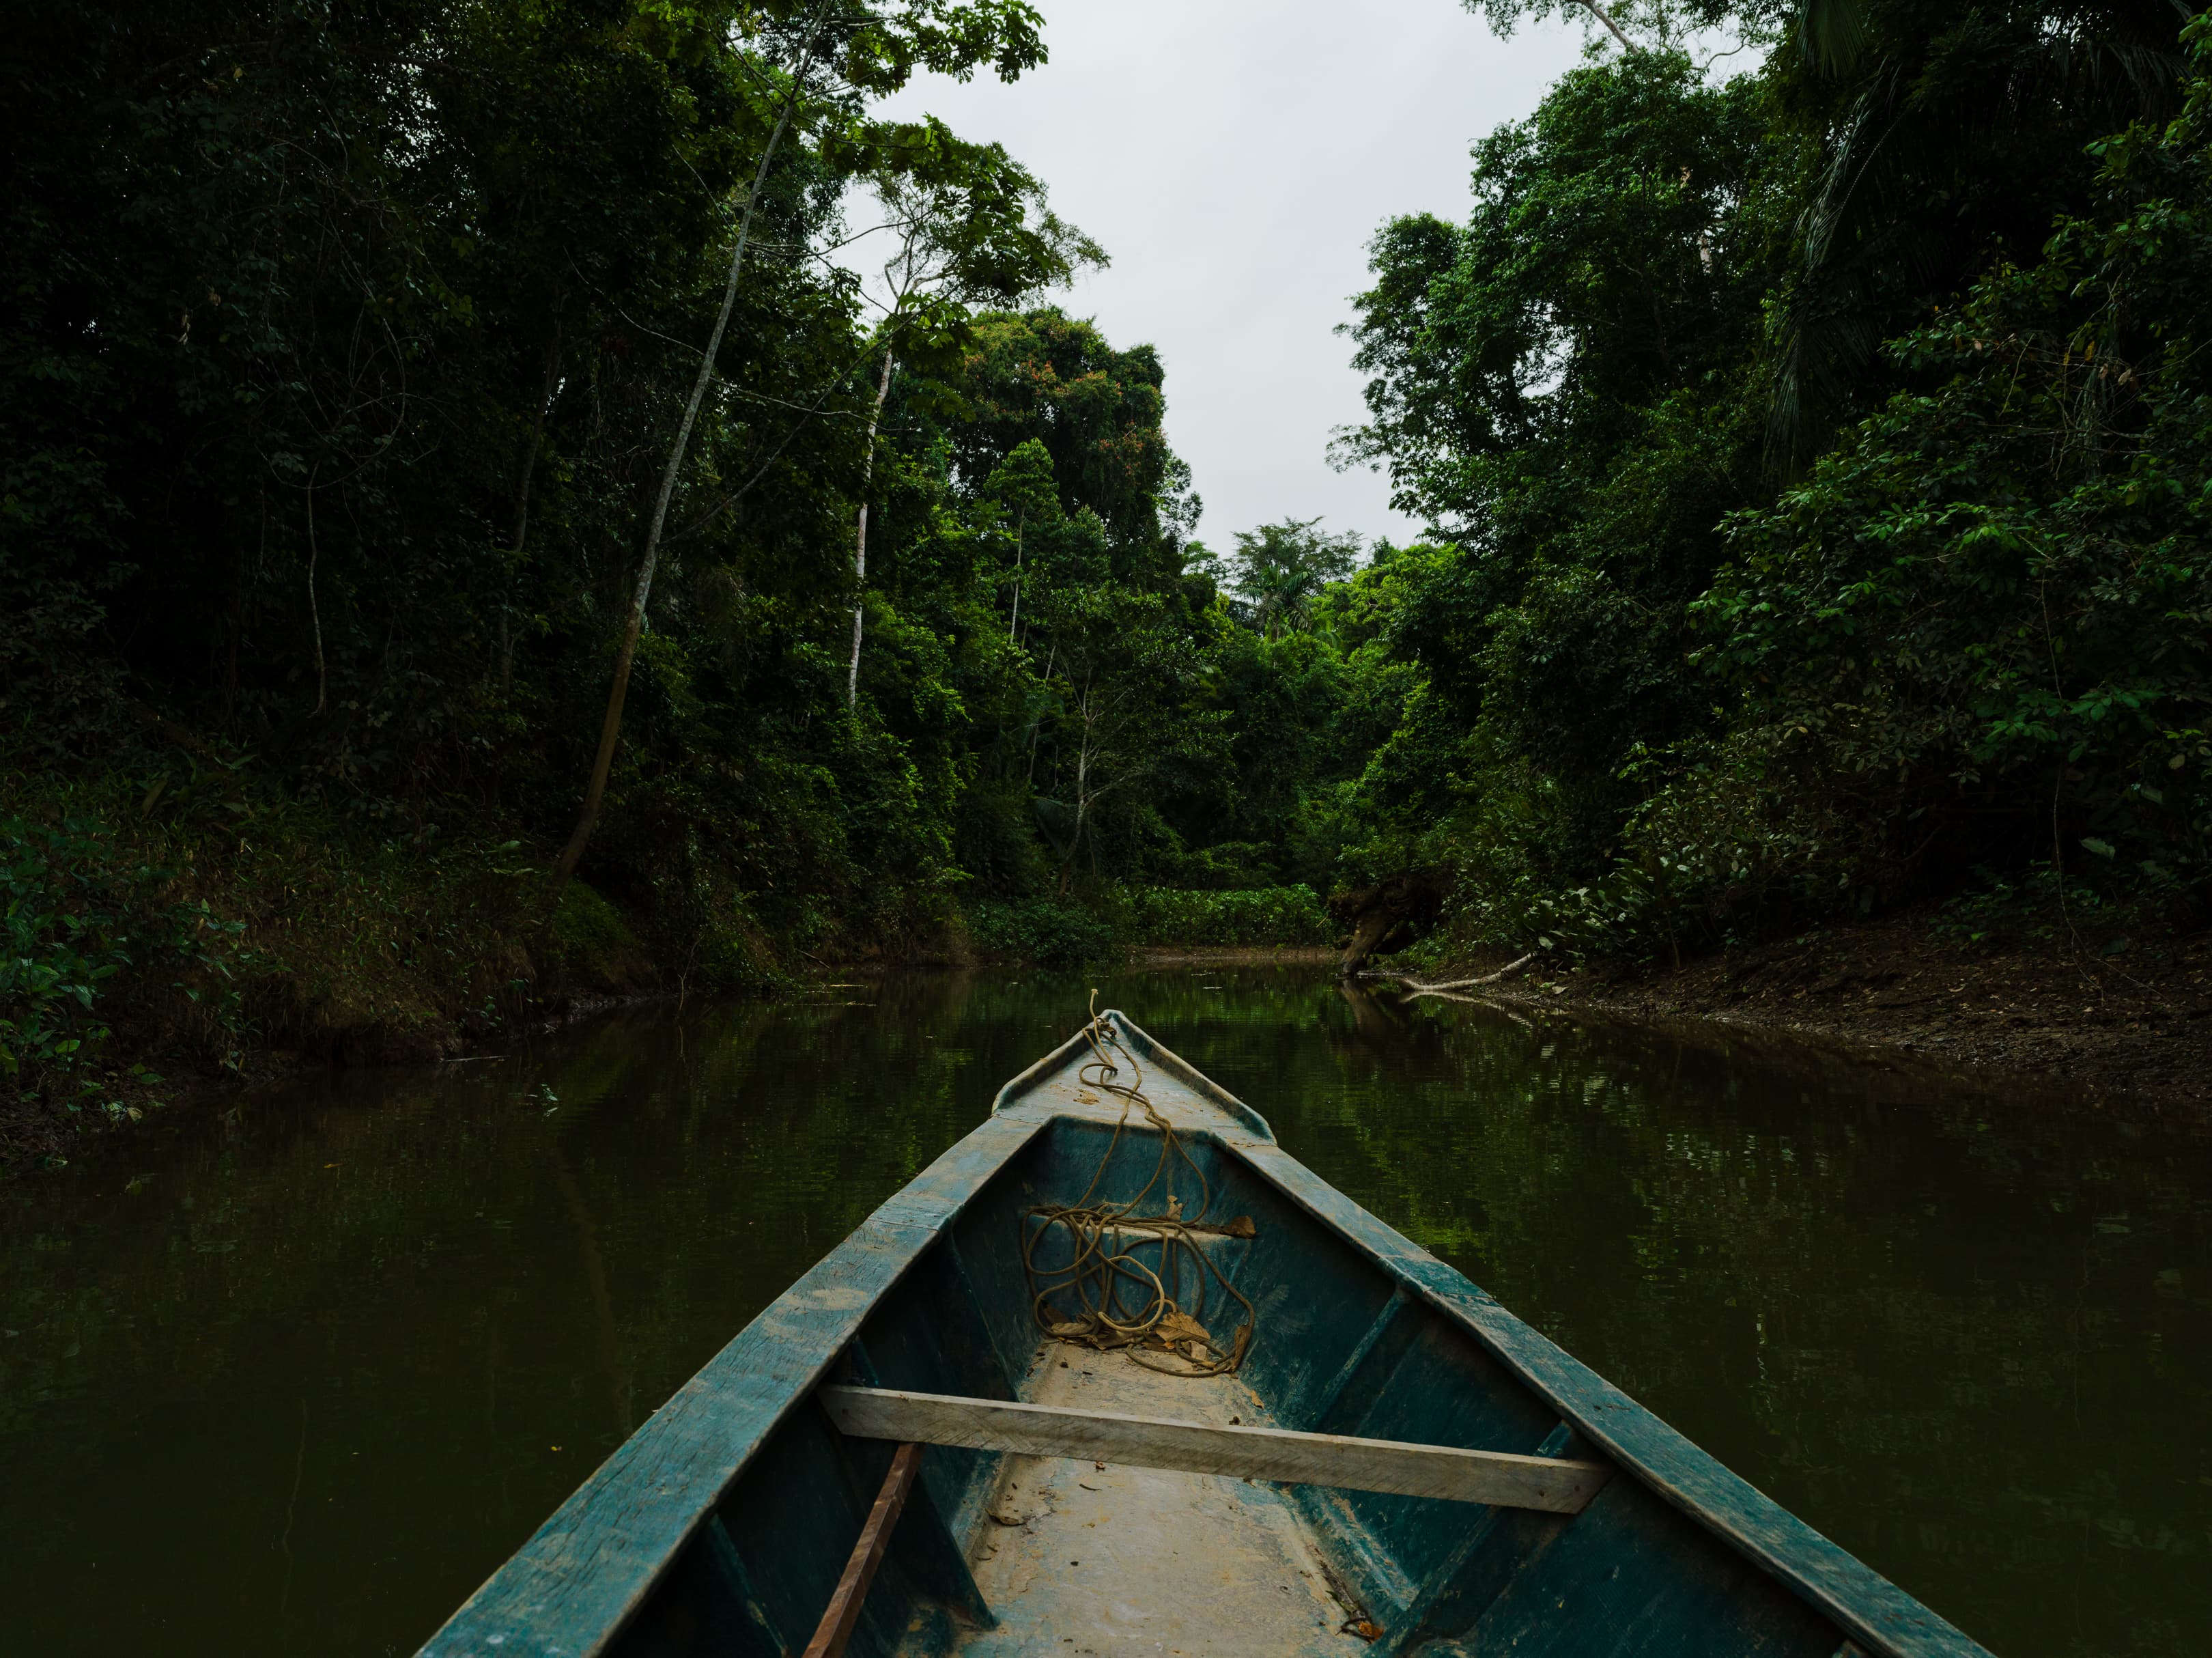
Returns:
<point x="1977" y="630"/>
<point x="1038" y="929"/>
<point x="74" y="915"/>
<point x="1258" y="916"/>
<point x="1231" y="866"/>
<point x="594" y="945"/>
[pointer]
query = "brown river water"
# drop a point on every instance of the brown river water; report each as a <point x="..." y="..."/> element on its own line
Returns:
<point x="296" y="1374"/>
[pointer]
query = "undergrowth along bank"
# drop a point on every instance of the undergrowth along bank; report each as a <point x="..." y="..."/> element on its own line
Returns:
<point x="1061" y="932"/>
<point x="172" y="938"/>
<point x="166" y="938"/>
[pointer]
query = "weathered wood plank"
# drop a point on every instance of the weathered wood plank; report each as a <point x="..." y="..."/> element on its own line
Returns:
<point x="925" y="1549"/>
<point x="1497" y="1477"/>
<point x="852" y="1591"/>
<point x="1140" y="1045"/>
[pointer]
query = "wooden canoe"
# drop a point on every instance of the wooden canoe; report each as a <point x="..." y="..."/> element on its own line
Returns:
<point x="1396" y="1464"/>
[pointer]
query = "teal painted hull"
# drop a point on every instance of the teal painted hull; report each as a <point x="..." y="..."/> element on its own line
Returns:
<point x="722" y="1526"/>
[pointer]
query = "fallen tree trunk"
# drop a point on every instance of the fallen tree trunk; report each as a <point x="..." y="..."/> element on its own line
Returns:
<point x="1442" y="985"/>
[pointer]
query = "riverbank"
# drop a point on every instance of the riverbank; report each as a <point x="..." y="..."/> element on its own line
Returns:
<point x="212" y="934"/>
<point x="215" y="934"/>
<point x="1234" y="955"/>
<point x="2113" y="1015"/>
<point x="398" y="956"/>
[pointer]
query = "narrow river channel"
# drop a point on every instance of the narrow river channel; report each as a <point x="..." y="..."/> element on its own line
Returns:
<point x="296" y="1375"/>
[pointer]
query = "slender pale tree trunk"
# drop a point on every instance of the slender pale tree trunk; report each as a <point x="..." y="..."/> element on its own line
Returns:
<point x="1036" y="725"/>
<point x="1014" y="622"/>
<point x="860" y="537"/>
<point x="314" y="607"/>
<point x="611" y="728"/>
<point x="1082" y="786"/>
<point x="522" y="503"/>
<point x="1604" y="17"/>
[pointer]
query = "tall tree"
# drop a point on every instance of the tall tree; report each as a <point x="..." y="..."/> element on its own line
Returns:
<point x="822" y="59"/>
<point x="811" y="39"/>
<point x="1280" y="568"/>
<point x="973" y="229"/>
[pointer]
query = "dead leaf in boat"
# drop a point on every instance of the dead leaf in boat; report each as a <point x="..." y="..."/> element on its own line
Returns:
<point x="1180" y="1326"/>
<point x="1072" y="1327"/>
<point x="1241" y="1227"/>
<point x="1365" y="1628"/>
<point x="1084" y="1097"/>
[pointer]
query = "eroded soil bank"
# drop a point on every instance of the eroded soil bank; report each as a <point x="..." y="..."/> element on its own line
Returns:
<point x="2134" y="1024"/>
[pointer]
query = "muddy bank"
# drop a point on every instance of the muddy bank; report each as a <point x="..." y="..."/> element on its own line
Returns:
<point x="2133" y="1023"/>
<point x="1236" y="955"/>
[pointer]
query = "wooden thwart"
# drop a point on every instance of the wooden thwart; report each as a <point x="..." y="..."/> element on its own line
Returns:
<point x="1496" y="1478"/>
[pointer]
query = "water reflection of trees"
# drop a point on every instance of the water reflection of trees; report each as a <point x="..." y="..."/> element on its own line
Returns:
<point x="1936" y="1326"/>
<point x="506" y="1257"/>
<point x="1964" y="1340"/>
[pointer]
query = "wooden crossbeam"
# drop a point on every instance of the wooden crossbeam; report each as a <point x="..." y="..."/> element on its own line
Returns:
<point x="1497" y="1477"/>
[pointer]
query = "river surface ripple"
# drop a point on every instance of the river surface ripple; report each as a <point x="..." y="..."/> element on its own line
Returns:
<point x="297" y="1374"/>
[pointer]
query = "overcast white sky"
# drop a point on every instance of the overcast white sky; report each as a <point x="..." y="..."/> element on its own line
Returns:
<point x="1234" y="157"/>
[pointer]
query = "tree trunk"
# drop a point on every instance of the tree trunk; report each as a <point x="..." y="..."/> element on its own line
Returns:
<point x="611" y="728"/>
<point x="1037" y="724"/>
<point x="522" y="500"/>
<point x="861" y="538"/>
<point x="1603" y="17"/>
<point x="1084" y="713"/>
<point x="1405" y="905"/>
<point x="314" y="609"/>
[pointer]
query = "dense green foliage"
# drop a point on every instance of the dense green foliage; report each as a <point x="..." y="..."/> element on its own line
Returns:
<point x="1814" y="463"/>
<point x="344" y="354"/>
<point x="1818" y="462"/>
<point x="1263" y="916"/>
<point x="74" y="913"/>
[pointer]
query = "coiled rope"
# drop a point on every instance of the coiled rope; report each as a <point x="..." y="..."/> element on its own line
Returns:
<point x="1104" y="1295"/>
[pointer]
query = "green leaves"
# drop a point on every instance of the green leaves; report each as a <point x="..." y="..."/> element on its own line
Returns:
<point x="1279" y="569"/>
<point x="74" y="914"/>
<point x="884" y="47"/>
<point x="1668" y="692"/>
<point x="2004" y="577"/>
<point x="1259" y="917"/>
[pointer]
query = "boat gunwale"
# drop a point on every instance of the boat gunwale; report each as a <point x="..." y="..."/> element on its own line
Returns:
<point x="1820" y="1572"/>
<point x="1131" y="1033"/>
<point x="508" y="1615"/>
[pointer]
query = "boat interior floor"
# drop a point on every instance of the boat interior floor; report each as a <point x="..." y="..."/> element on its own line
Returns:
<point x="1081" y="1559"/>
